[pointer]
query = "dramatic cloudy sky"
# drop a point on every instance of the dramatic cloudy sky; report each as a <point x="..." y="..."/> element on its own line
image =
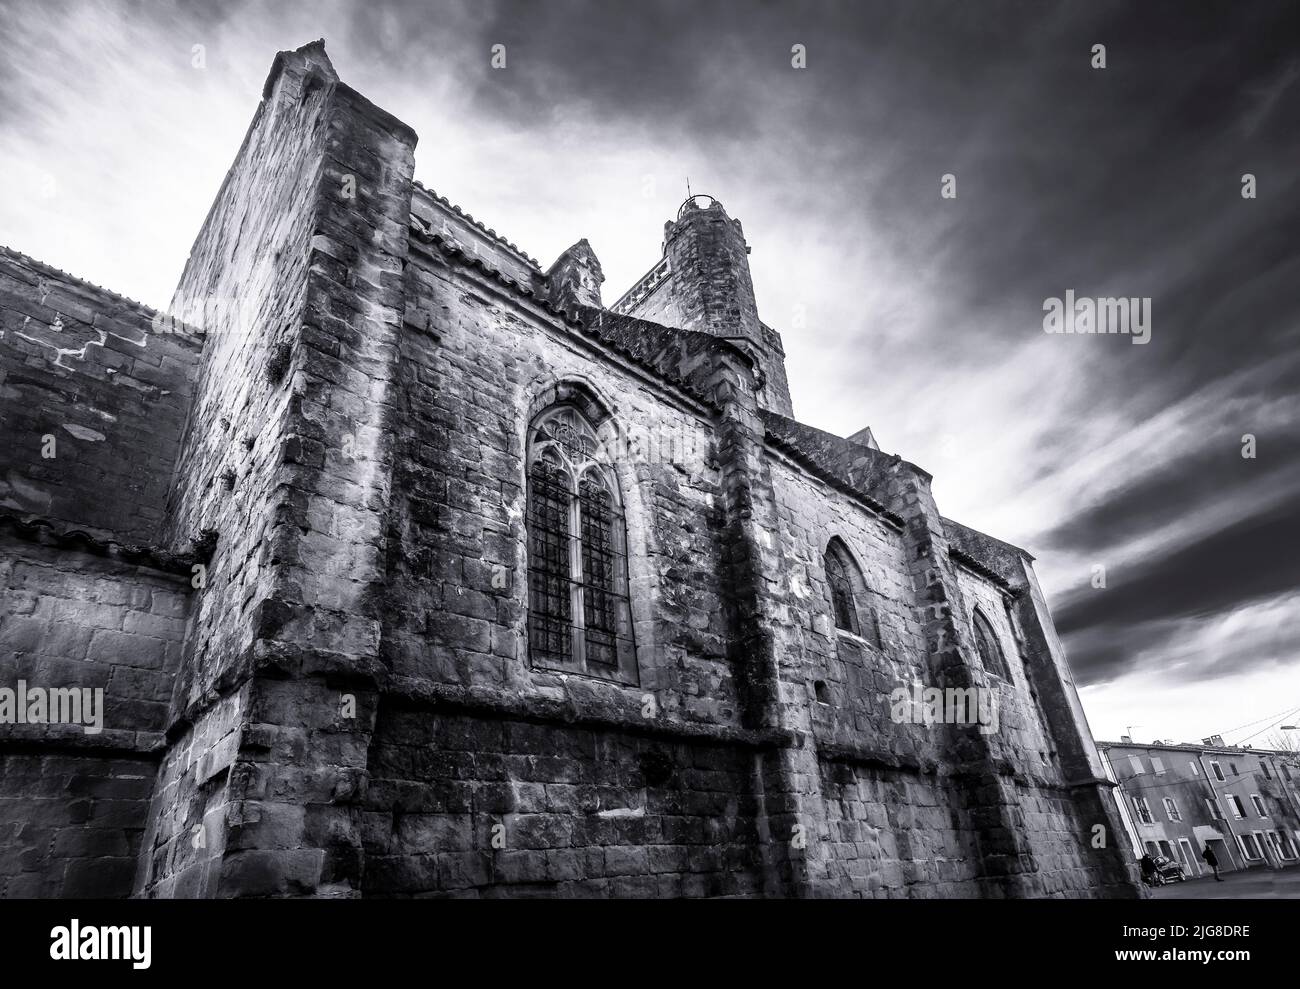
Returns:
<point x="919" y="316"/>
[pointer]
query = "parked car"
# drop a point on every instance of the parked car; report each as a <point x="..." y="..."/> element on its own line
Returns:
<point x="1165" y="870"/>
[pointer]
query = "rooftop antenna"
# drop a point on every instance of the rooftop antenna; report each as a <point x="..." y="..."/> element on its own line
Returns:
<point x="688" y="187"/>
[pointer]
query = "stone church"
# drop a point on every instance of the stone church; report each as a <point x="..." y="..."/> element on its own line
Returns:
<point x="406" y="567"/>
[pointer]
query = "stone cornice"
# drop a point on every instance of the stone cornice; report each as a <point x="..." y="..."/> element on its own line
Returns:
<point x="46" y="532"/>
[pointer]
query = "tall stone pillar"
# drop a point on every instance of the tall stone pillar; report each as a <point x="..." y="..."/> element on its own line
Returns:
<point x="297" y="278"/>
<point x="990" y="804"/>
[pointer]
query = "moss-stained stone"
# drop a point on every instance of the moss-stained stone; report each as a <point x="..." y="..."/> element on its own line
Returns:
<point x="289" y="539"/>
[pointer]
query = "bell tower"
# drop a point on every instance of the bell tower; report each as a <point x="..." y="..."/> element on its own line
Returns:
<point x="702" y="282"/>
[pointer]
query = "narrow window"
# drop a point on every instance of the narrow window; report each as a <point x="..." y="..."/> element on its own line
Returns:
<point x="1258" y="801"/>
<point x="850" y="598"/>
<point x="550" y="584"/>
<point x="843" y="605"/>
<point x="1143" y="810"/>
<point x="1171" y="809"/>
<point x="986" y="642"/>
<point x="1218" y="771"/>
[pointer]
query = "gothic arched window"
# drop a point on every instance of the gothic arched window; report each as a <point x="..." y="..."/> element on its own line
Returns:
<point x="986" y="642"/>
<point x="848" y="591"/>
<point x="843" y="605"/>
<point x="579" y="615"/>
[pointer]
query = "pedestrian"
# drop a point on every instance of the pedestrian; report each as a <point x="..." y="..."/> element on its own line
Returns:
<point x="1212" y="861"/>
<point x="1148" y="869"/>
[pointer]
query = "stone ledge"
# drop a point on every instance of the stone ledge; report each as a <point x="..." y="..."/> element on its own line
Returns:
<point x="50" y="533"/>
<point x="110" y="743"/>
<point x="573" y="713"/>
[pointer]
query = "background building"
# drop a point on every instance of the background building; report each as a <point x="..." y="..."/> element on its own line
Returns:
<point x="1178" y="798"/>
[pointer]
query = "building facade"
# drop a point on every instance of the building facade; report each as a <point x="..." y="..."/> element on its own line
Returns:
<point x="408" y="568"/>
<point x="1177" y="800"/>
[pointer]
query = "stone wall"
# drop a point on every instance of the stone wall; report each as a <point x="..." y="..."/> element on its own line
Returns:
<point x="93" y="394"/>
<point x="906" y="806"/>
<point x="657" y="793"/>
<point x="472" y="805"/>
<point x="72" y="619"/>
<point x="296" y="275"/>
<point x="70" y="823"/>
<point x="469" y="390"/>
<point x="73" y="803"/>
<point x="345" y="705"/>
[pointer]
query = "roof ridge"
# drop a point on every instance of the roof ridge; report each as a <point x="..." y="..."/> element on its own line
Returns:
<point x="15" y="253"/>
<point x="827" y="471"/>
<point x="478" y="224"/>
<point x="587" y="325"/>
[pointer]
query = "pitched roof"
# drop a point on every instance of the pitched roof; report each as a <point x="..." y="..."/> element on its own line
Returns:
<point x="853" y="467"/>
<point x="672" y="355"/>
<point x="477" y="224"/>
<point x="843" y="463"/>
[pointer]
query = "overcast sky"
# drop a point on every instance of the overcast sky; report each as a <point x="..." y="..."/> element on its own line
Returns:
<point x="917" y="315"/>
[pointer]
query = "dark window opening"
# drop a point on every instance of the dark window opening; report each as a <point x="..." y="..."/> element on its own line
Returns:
<point x="986" y="644"/>
<point x="848" y="594"/>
